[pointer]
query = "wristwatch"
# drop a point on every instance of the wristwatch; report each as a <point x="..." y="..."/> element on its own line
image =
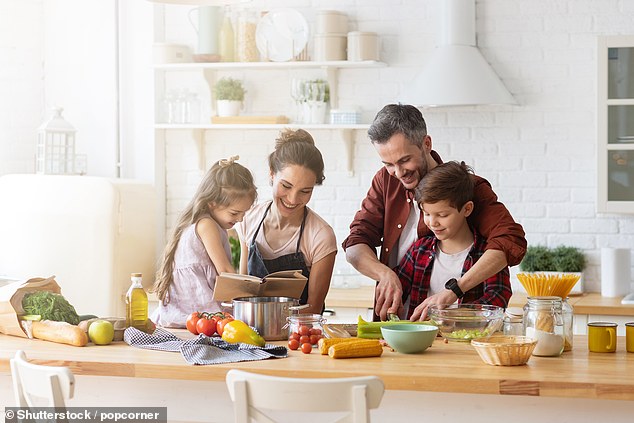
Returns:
<point x="453" y="285"/>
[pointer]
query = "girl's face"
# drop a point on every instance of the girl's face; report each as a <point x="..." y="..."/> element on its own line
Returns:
<point x="228" y="216"/>
<point x="292" y="188"/>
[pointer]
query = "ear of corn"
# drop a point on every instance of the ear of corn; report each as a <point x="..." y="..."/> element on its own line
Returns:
<point x="354" y="349"/>
<point x="324" y="343"/>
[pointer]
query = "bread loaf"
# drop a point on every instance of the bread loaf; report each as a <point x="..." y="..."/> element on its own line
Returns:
<point x="60" y="332"/>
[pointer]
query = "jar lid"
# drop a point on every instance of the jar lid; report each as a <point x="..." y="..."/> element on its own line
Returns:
<point x="361" y="34"/>
<point x="514" y="314"/>
<point x="331" y="12"/>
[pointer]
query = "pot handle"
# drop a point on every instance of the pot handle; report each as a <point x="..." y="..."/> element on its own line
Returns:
<point x="299" y="307"/>
<point x="230" y="305"/>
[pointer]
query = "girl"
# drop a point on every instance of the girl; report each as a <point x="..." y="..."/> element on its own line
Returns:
<point x="284" y="234"/>
<point x="199" y="247"/>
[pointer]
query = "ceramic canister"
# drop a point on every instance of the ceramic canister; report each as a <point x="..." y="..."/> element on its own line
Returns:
<point x="363" y="46"/>
<point x="330" y="47"/>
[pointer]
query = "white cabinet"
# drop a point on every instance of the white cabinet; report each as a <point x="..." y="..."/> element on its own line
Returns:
<point x="615" y="123"/>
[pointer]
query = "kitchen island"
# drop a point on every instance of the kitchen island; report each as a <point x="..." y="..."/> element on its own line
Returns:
<point x="453" y="370"/>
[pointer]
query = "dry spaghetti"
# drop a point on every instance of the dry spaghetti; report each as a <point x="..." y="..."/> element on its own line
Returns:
<point x="540" y="284"/>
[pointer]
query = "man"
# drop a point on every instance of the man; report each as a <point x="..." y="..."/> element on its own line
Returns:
<point x="390" y="219"/>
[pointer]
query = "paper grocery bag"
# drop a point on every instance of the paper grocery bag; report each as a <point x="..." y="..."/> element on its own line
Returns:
<point x="11" y="302"/>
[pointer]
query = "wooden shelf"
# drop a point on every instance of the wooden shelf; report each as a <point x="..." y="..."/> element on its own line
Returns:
<point x="339" y="64"/>
<point x="258" y="126"/>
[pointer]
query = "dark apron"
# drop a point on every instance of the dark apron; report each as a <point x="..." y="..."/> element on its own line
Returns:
<point x="257" y="266"/>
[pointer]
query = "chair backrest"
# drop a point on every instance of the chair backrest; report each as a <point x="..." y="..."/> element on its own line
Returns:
<point x="252" y="393"/>
<point x="33" y="383"/>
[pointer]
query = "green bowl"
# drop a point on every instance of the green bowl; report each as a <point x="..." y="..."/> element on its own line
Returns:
<point x="409" y="338"/>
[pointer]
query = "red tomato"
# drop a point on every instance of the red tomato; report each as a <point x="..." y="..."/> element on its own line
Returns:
<point x="304" y="339"/>
<point x="220" y="326"/>
<point x="314" y="339"/>
<point x="307" y="348"/>
<point x="295" y="336"/>
<point x="315" y="331"/>
<point x="206" y="326"/>
<point x="214" y="321"/>
<point x="191" y="322"/>
<point x="293" y="344"/>
<point x="304" y="330"/>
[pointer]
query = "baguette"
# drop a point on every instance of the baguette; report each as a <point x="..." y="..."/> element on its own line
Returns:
<point x="60" y="332"/>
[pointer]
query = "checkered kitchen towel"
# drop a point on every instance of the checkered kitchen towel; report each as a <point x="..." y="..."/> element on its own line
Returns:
<point x="202" y="350"/>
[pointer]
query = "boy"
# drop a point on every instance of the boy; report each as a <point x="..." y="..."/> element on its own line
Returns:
<point x="434" y="262"/>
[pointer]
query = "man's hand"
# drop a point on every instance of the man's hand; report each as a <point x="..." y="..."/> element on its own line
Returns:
<point x="389" y="294"/>
<point x="444" y="298"/>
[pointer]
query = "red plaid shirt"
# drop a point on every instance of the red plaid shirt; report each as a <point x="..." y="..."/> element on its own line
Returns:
<point x="415" y="268"/>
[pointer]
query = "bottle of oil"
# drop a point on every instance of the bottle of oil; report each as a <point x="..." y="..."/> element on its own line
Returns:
<point x="136" y="304"/>
<point x="227" y="43"/>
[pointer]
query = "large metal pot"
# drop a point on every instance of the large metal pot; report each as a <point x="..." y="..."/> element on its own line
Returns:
<point x="266" y="314"/>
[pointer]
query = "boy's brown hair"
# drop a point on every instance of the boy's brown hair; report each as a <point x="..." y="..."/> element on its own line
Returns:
<point x="451" y="181"/>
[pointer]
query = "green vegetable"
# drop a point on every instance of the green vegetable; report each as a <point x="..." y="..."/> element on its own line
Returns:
<point x="372" y="330"/>
<point x="467" y="334"/>
<point x="50" y="306"/>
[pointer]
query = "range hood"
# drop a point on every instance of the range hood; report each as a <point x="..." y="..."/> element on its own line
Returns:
<point x="456" y="73"/>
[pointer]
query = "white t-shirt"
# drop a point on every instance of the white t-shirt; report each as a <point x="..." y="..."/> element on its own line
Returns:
<point x="317" y="241"/>
<point x="446" y="266"/>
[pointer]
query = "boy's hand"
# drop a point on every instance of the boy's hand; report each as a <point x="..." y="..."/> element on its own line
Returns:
<point x="445" y="297"/>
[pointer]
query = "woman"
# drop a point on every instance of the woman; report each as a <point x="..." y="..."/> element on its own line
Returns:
<point x="284" y="234"/>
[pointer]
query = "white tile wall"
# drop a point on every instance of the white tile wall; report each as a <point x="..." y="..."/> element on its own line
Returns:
<point x="539" y="155"/>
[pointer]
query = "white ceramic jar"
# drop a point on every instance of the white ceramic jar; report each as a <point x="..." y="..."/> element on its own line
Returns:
<point x="331" y="22"/>
<point x="363" y="46"/>
<point x="330" y="47"/>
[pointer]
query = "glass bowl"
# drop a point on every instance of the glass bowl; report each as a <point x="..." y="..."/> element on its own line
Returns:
<point x="464" y="322"/>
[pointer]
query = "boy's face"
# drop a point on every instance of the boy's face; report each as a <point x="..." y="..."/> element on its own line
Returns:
<point x="444" y="220"/>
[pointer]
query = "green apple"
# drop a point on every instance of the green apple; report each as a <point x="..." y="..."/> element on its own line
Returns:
<point x="101" y="332"/>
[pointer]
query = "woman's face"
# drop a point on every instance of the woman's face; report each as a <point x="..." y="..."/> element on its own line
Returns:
<point x="292" y="188"/>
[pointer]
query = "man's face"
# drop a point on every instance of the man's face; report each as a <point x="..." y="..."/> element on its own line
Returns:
<point x="404" y="160"/>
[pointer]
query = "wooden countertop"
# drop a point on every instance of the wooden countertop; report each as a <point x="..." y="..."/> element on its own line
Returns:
<point x="452" y="367"/>
<point x="590" y="303"/>
<point x="587" y="303"/>
<point x="362" y="297"/>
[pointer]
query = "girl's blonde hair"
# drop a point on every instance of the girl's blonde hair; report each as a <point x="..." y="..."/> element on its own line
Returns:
<point x="226" y="182"/>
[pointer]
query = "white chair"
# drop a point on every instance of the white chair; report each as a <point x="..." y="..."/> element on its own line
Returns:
<point x="252" y="392"/>
<point x="33" y="383"/>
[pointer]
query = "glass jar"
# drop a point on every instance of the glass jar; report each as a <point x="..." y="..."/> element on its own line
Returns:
<point x="544" y="321"/>
<point x="513" y="321"/>
<point x="247" y="50"/>
<point x="306" y="325"/>
<point x="568" y="313"/>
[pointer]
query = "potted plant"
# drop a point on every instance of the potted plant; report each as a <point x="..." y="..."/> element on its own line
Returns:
<point x="562" y="259"/>
<point x="229" y="96"/>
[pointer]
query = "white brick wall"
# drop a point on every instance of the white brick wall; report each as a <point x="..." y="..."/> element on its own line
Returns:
<point x="540" y="156"/>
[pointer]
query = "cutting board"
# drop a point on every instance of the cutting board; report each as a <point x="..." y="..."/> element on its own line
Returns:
<point x="248" y="119"/>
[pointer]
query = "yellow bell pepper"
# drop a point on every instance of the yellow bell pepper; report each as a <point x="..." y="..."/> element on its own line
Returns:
<point x="238" y="331"/>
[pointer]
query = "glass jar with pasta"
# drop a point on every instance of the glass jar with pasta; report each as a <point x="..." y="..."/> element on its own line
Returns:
<point x="246" y="49"/>
<point x="544" y="322"/>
